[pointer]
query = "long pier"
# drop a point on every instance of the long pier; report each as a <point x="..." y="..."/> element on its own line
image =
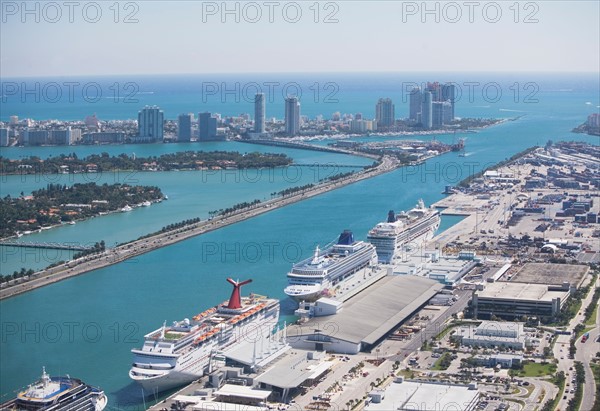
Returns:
<point x="306" y="146"/>
<point x="49" y="245"/>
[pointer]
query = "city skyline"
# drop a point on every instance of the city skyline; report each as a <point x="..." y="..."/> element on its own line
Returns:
<point x="551" y="37"/>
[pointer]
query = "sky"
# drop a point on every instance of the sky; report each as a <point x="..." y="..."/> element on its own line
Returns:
<point x="64" y="38"/>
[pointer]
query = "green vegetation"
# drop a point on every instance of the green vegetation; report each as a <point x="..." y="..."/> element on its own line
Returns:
<point x="592" y="309"/>
<point x="534" y="369"/>
<point x="596" y="372"/>
<point x="573" y="305"/>
<point x="58" y="203"/>
<point x="468" y="180"/>
<point x="443" y="362"/>
<point x="185" y="160"/>
<point x="15" y="275"/>
<point x="98" y="248"/>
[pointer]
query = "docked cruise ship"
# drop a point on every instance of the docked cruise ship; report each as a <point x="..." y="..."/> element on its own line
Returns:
<point x="183" y="352"/>
<point x="316" y="276"/>
<point x="57" y="394"/>
<point x="399" y="229"/>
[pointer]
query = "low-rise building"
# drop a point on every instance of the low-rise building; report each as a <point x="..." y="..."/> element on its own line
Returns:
<point x="424" y="396"/>
<point x="493" y="334"/>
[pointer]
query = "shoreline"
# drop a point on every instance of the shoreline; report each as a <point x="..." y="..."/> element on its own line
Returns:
<point x="73" y="222"/>
<point x="142" y="246"/>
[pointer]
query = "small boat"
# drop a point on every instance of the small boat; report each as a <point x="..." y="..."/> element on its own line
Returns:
<point x="146" y="204"/>
<point x="72" y="223"/>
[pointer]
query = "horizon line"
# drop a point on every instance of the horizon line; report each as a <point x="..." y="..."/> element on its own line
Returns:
<point x="546" y="72"/>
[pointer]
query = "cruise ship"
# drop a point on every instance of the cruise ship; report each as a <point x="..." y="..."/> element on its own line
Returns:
<point x="399" y="229"/>
<point x="183" y="352"/>
<point x="318" y="275"/>
<point x="57" y="394"/>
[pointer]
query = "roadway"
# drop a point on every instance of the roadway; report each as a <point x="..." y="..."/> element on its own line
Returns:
<point x="585" y="352"/>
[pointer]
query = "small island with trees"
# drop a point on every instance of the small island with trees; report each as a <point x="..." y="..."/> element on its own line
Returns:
<point x="59" y="204"/>
<point x="185" y="160"/>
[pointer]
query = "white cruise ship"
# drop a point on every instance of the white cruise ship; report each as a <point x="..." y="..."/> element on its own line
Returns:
<point x="312" y="278"/>
<point x="398" y="230"/>
<point x="183" y="352"/>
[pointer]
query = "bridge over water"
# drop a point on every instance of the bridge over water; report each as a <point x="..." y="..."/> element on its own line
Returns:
<point x="50" y="245"/>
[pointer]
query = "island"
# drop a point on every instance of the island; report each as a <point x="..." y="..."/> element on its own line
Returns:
<point x="60" y="204"/>
<point x="185" y="160"/>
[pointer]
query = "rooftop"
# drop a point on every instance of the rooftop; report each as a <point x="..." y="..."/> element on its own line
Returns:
<point x="413" y="395"/>
<point x="293" y="369"/>
<point x="541" y="273"/>
<point x="372" y="313"/>
<point x="519" y="291"/>
<point x="230" y="390"/>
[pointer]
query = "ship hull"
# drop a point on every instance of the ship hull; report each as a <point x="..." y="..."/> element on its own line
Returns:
<point x="166" y="382"/>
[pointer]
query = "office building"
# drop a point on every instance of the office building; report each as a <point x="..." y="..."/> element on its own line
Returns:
<point x="14" y="120"/>
<point x="292" y="116"/>
<point x="259" y="113"/>
<point x="184" y="127"/>
<point x="493" y="334"/>
<point x="385" y="113"/>
<point x="207" y="127"/>
<point x="150" y="125"/>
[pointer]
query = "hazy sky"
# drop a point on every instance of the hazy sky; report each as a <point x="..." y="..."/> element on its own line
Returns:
<point x="82" y="38"/>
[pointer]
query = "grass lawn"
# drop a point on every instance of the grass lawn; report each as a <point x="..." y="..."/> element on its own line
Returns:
<point x="533" y="369"/>
<point x="592" y="320"/>
<point x="442" y="363"/>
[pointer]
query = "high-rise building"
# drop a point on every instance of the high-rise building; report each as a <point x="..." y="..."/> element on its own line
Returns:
<point x="259" y="113"/>
<point x="437" y="116"/>
<point x="3" y="137"/>
<point x="64" y="137"/>
<point x="150" y="125"/>
<point x="184" y="127"/>
<point x="207" y="127"/>
<point x="449" y="95"/>
<point x="427" y="111"/>
<point x="292" y="116"/>
<point x="385" y="113"/>
<point x="14" y="120"/>
<point x="358" y="116"/>
<point x="415" y="102"/>
<point x="35" y="137"/>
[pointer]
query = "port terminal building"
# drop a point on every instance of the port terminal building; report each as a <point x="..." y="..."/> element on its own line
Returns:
<point x="364" y="320"/>
<point x="417" y="395"/>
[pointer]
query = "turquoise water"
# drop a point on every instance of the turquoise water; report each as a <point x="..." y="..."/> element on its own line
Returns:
<point x="109" y="310"/>
<point x="191" y="194"/>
